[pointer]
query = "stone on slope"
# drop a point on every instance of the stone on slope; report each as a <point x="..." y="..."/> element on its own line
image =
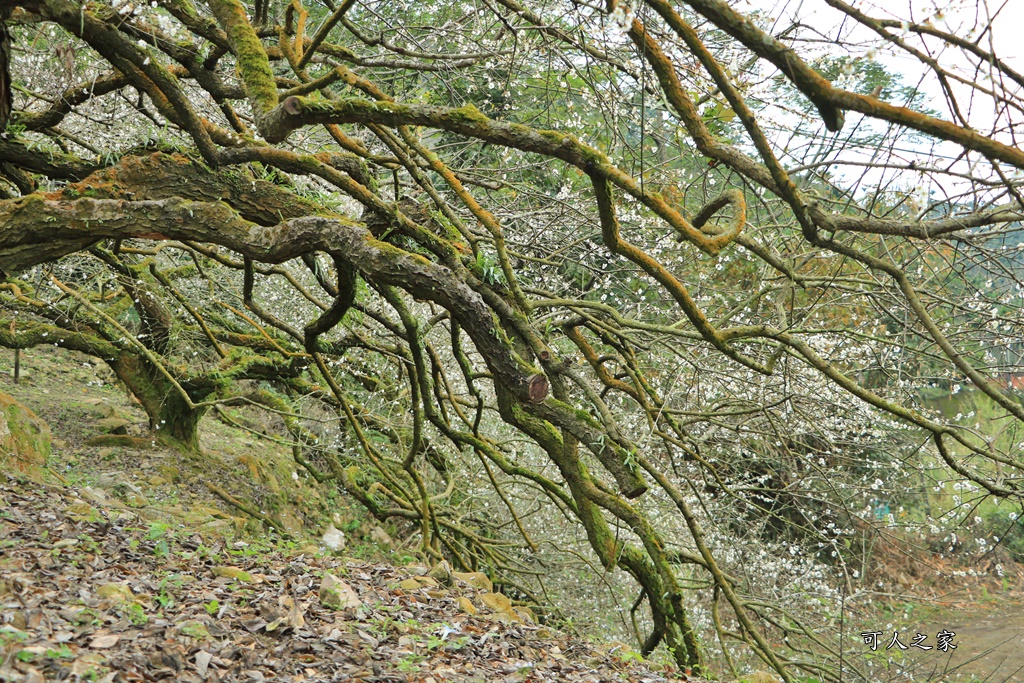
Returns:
<point x="25" y="439"/>
<point x="337" y="594"/>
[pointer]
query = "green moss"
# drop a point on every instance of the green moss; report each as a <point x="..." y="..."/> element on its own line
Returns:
<point x="25" y="440"/>
<point x="33" y="203"/>
<point x="591" y="156"/>
<point x="584" y="416"/>
<point x="537" y="426"/>
<point x="232" y="573"/>
<point x="552" y="136"/>
<point x="250" y="56"/>
<point x="471" y="114"/>
<point x="312" y="106"/>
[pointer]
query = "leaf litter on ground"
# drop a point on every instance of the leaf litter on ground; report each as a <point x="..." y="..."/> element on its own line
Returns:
<point x="87" y="592"/>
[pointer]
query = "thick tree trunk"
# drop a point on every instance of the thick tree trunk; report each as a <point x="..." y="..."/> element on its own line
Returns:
<point x="172" y="421"/>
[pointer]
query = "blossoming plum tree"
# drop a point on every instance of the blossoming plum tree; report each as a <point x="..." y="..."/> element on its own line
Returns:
<point x="642" y="268"/>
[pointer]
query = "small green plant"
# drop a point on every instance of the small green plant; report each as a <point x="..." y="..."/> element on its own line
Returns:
<point x="135" y="613"/>
<point x="194" y="629"/>
<point x="444" y="643"/>
<point x="62" y="652"/>
<point x="94" y="673"/>
<point x="212" y="607"/>
<point x="157" y="530"/>
<point x="382" y="626"/>
<point x="486" y="268"/>
<point x="172" y="580"/>
<point x="10" y="635"/>
<point x="88" y="543"/>
<point x="87" y="616"/>
<point x="162" y="534"/>
<point x="25" y="656"/>
<point x="410" y="663"/>
<point x="206" y="553"/>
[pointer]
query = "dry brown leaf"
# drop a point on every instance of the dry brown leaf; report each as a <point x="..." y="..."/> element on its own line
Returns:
<point x="203" y="662"/>
<point x="103" y="642"/>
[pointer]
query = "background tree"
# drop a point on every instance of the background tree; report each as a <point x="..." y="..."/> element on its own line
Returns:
<point x="495" y="266"/>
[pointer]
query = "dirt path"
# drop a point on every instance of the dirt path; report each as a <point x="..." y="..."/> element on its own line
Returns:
<point x="991" y="643"/>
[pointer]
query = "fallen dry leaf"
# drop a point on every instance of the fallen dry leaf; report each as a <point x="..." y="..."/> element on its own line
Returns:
<point x="203" y="662"/>
<point x="104" y="642"/>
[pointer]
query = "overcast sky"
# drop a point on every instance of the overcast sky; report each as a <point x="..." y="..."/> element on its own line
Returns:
<point x="964" y="18"/>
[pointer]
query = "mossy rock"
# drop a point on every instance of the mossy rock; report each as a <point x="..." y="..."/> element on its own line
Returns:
<point x="291" y="522"/>
<point x="114" y="425"/>
<point x="117" y="593"/>
<point x="525" y="614"/>
<point x="25" y="439"/>
<point x="442" y="573"/>
<point x="466" y="605"/>
<point x="418" y="582"/>
<point x="83" y="512"/>
<point x="476" y="580"/>
<point x="170" y="473"/>
<point x="501" y="606"/>
<point x="336" y="594"/>
<point x="98" y="407"/>
<point x="233" y="573"/>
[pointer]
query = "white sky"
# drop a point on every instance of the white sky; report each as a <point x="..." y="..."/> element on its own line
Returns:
<point x="964" y="18"/>
<point x="956" y="16"/>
